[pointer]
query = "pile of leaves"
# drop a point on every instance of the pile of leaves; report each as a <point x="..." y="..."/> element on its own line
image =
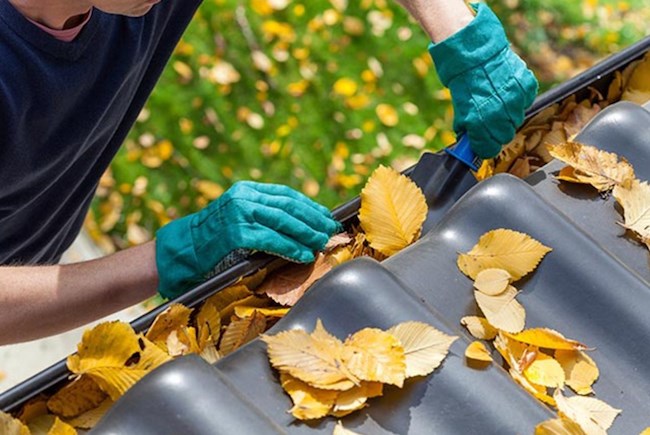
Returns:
<point x="538" y="359"/>
<point x="326" y="376"/>
<point x="529" y="150"/>
<point x="608" y="173"/>
<point x="111" y="357"/>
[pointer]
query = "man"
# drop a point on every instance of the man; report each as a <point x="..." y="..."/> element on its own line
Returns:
<point x="75" y="74"/>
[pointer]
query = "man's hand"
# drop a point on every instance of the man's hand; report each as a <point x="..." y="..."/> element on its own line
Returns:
<point x="253" y="216"/>
<point x="491" y="87"/>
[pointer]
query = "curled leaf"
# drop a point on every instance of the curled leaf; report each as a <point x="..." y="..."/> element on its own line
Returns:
<point x="635" y="201"/>
<point x="115" y="357"/>
<point x="476" y="350"/>
<point x="546" y="338"/>
<point x="241" y="331"/>
<point x="601" y="169"/>
<point x="479" y="327"/>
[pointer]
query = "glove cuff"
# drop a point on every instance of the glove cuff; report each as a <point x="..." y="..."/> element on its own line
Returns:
<point x="472" y="46"/>
<point x="175" y="258"/>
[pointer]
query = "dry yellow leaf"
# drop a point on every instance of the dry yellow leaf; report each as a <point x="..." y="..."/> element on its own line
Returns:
<point x="580" y="370"/>
<point x="515" y="252"/>
<point x="79" y="396"/>
<point x="502" y="311"/>
<point x="492" y="281"/>
<point x="61" y="428"/>
<point x="592" y="415"/>
<point x="645" y="431"/>
<point x="249" y="301"/>
<point x="223" y="299"/>
<point x="615" y="89"/>
<point x="210" y="353"/>
<point x="477" y="350"/>
<point x="537" y="391"/>
<point x="424" y="346"/>
<point x="637" y="89"/>
<point x="485" y="171"/>
<point x="479" y="327"/>
<point x="392" y="212"/>
<point x="241" y="331"/>
<point x="545" y="370"/>
<point x="546" y="338"/>
<point x="12" y="426"/>
<point x="115" y="357"/>
<point x="558" y="426"/>
<point x="513" y="352"/>
<point x="601" y="169"/>
<point x="308" y="402"/>
<point x="568" y="174"/>
<point x="89" y="419"/>
<point x="182" y="341"/>
<point x="310" y="359"/>
<point x="208" y="324"/>
<point x="340" y="430"/>
<point x="355" y="398"/>
<point x="33" y="409"/>
<point x="174" y="317"/>
<point x="375" y="355"/>
<point x="246" y="311"/>
<point x="636" y="208"/>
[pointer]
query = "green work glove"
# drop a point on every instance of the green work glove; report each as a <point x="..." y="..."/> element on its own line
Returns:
<point x="254" y="216"/>
<point x="490" y="85"/>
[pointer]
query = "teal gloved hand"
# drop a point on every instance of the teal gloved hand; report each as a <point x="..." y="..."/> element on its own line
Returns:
<point x="491" y="87"/>
<point x="261" y="217"/>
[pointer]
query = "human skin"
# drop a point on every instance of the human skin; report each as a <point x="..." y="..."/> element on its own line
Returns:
<point x="38" y="301"/>
<point x="63" y="14"/>
<point x="439" y="18"/>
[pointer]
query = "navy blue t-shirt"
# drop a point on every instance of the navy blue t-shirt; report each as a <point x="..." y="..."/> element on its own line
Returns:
<point x="65" y="109"/>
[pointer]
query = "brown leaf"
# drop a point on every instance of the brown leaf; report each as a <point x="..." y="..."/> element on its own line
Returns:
<point x="599" y="168"/>
<point x="287" y="285"/>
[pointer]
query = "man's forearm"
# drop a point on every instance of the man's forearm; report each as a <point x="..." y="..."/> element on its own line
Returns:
<point x="439" y="18"/>
<point x="36" y="301"/>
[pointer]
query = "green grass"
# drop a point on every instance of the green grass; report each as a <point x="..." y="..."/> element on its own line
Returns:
<point x="197" y="135"/>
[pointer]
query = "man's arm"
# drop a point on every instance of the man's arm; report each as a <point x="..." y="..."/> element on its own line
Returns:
<point x="490" y="86"/>
<point x="43" y="300"/>
<point x="439" y="18"/>
<point x="39" y="301"/>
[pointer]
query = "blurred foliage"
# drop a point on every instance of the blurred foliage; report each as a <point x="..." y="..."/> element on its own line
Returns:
<point x="314" y="94"/>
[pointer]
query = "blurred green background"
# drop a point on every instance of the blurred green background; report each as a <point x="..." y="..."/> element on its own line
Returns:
<point x="315" y="94"/>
